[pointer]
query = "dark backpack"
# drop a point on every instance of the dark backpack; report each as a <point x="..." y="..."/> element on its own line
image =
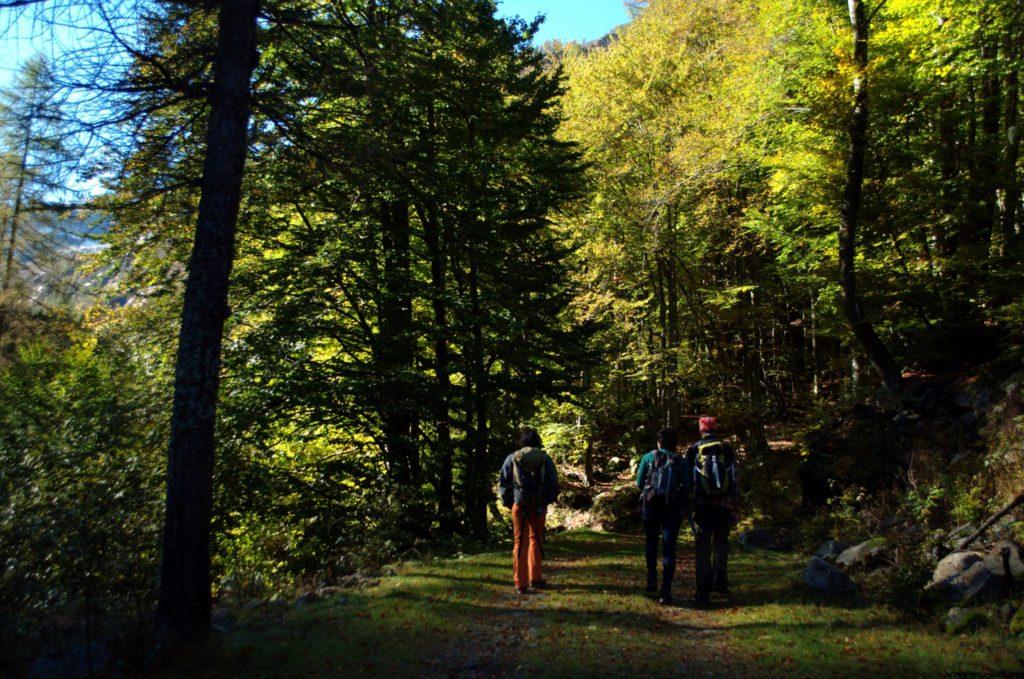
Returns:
<point x="712" y="469"/>
<point x="529" y="469"/>
<point x="663" y="481"/>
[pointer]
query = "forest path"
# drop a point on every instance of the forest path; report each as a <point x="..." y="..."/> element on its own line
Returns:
<point x="461" y="618"/>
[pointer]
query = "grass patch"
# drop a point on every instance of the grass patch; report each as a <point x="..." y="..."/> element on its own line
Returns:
<point x="462" y="617"/>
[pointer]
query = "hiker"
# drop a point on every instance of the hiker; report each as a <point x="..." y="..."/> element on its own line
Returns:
<point x="716" y="498"/>
<point x="664" y="481"/>
<point x="528" y="483"/>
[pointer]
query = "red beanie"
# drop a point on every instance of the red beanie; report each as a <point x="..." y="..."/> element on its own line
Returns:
<point x="708" y="424"/>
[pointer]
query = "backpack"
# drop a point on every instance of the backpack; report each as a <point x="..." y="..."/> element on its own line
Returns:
<point x="712" y="472"/>
<point x="662" y="481"/>
<point x="529" y="468"/>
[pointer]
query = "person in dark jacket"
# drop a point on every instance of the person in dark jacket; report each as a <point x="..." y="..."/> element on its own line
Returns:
<point x="528" y="483"/>
<point x="664" y="482"/>
<point x="716" y="499"/>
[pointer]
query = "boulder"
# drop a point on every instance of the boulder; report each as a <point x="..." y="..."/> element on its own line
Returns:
<point x="952" y="566"/>
<point x="831" y="549"/>
<point x="307" y="599"/>
<point x="994" y="559"/>
<point x="617" y="509"/>
<point x="822" y="576"/>
<point x="1006" y="611"/>
<point x="963" y="620"/>
<point x="770" y="539"/>
<point x="867" y="554"/>
<point x="977" y="583"/>
<point x="616" y="464"/>
<point x="222" y="620"/>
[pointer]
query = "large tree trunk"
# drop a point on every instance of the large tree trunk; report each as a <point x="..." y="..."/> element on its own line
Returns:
<point x="849" y="215"/>
<point x="432" y="232"/>
<point x="183" y="611"/>
<point x="396" y="348"/>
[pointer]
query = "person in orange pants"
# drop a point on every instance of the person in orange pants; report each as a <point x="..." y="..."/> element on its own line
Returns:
<point x="528" y="483"/>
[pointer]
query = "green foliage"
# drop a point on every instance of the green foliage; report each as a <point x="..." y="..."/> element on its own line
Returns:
<point x="81" y="437"/>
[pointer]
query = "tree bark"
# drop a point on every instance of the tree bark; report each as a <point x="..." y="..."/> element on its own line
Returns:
<point x="434" y="237"/>
<point x="849" y="215"/>
<point x="1011" y="155"/>
<point x="395" y="348"/>
<point x="183" y="611"/>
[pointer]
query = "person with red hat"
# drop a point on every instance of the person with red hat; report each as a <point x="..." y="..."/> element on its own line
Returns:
<point x="715" y="501"/>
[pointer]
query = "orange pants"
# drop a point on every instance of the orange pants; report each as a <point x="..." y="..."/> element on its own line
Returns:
<point x="527" y="533"/>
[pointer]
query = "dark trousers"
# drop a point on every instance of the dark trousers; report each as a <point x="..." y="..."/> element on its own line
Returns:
<point x="711" y="531"/>
<point x="661" y="526"/>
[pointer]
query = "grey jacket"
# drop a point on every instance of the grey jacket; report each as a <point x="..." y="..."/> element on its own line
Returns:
<point x="510" y="494"/>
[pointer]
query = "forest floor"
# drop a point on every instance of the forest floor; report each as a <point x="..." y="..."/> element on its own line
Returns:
<point x="461" y="618"/>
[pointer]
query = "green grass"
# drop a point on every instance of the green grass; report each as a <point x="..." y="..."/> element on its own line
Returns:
<point x="460" y="617"/>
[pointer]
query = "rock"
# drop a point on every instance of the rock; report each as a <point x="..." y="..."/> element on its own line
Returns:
<point x="950" y="567"/>
<point x="832" y="549"/>
<point x="617" y="509"/>
<point x="963" y="620"/>
<point x="307" y="599"/>
<point x="576" y="497"/>
<point x="255" y="603"/>
<point x="766" y="538"/>
<point x="994" y="559"/>
<point x="81" y="660"/>
<point x="867" y="554"/>
<point x="1006" y="611"/>
<point x="223" y="620"/>
<point x="822" y="576"/>
<point x="616" y="464"/>
<point x="977" y="583"/>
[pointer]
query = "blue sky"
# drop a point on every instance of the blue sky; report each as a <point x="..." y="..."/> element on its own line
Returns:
<point x="569" y="19"/>
<point x="23" y="35"/>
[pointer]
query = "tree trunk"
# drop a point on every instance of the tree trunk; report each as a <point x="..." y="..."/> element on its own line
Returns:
<point x="986" y="182"/>
<point x="1011" y="155"/>
<point x="19" y="201"/>
<point x="432" y="233"/>
<point x="476" y="486"/>
<point x="849" y="215"/>
<point x="395" y="348"/>
<point x="183" y="610"/>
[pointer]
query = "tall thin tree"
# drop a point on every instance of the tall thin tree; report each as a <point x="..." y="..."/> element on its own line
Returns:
<point x="849" y="214"/>
<point x="184" y="606"/>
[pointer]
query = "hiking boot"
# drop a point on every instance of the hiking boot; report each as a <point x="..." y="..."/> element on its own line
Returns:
<point x="522" y="591"/>
<point x="539" y="584"/>
<point x="723" y="591"/>
<point x="702" y="601"/>
<point x="665" y="599"/>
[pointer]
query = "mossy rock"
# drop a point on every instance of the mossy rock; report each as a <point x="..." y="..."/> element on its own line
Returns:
<point x="1017" y="623"/>
<point x="964" y="620"/>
